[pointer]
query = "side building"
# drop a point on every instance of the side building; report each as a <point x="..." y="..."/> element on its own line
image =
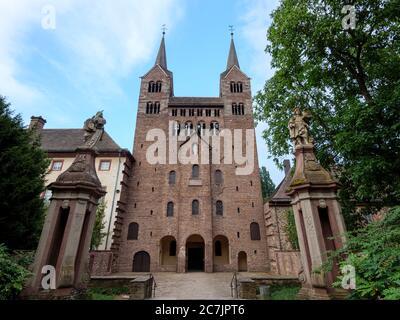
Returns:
<point x="60" y="145"/>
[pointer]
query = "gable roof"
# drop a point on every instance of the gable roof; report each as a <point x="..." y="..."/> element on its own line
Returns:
<point x="67" y="140"/>
<point x="279" y="195"/>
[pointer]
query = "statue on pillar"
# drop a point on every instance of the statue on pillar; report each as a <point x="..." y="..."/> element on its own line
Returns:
<point x="299" y="128"/>
<point x="94" y="129"/>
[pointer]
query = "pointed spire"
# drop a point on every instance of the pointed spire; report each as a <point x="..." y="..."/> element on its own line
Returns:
<point x="162" y="56"/>
<point x="232" y="58"/>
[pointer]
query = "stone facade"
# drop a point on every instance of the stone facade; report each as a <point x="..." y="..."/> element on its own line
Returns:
<point x="145" y="237"/>
<point x="285" y="260"/>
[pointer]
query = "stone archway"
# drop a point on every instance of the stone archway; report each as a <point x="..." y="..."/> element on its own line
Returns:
<point x="221" y="253"/>
<point x="168" y="253"/>
<point x="195" y="253"/>
<point x="242" y="261"/>
<point x="141" y="262"/>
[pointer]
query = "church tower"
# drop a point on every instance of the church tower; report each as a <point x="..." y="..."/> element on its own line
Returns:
<point x="200" y="215"/>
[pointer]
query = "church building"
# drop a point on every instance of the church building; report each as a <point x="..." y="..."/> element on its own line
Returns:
<point x="190" y="216"/>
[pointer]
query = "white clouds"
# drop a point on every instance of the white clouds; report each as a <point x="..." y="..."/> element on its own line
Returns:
<point x="97" y="42"/>
<point x="256" y="21"/>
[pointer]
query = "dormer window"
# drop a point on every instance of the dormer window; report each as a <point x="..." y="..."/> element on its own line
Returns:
<point x="236" y="87"/>
<point x="155" y="86"/>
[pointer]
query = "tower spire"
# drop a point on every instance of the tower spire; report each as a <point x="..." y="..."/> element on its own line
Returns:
<point x="162" y="56"/>
<point x="232" y="58"/>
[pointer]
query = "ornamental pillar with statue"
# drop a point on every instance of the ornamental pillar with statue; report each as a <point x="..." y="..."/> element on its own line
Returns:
<point x="66" y="235"/>
<point x="319" y="222"/>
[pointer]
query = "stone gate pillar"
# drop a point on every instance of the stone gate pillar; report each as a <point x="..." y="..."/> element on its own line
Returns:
<point x="67" y="231"/>
<point x="319" y="222"/>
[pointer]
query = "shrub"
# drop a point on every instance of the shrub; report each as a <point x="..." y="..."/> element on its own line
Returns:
<point x="12" y="275"/>
<point x="374" y="252"/>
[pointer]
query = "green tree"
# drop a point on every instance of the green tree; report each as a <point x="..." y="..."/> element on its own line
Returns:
<point x="267" y="185"/>
<point x="350" y="83"/>
<point x="99" y="225"/>
<point x="22" y="171"/>
<point x="374" y="252"/>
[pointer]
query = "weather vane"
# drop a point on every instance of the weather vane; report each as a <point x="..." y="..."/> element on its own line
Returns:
<point x="163" y="28"/>
<point x="231" y="29"/>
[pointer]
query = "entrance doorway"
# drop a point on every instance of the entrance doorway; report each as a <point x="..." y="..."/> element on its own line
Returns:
<point x="242" y="261"/>
<point x="195" y="253"/>
<point x="141" y="262"/>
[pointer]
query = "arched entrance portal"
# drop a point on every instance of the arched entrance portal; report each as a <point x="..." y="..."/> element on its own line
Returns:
<point x="221" y="253"/>
<point x="242" y="261"/>
<point x="195" y="253"/>
<point x="141" y="262"/>
<point x="168" y="253"/>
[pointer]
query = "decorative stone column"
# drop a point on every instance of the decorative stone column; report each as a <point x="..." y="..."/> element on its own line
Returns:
<point x="319" y="222"/>
<point x="67" y="231"/>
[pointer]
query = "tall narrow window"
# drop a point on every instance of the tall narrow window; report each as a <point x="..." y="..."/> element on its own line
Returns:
<point x="239" y="87"/>
<point x="219" y="208"/>
<point x="183" y="112"/>
<point x="218" y="177"/>
<point x="255" y="231"/>
<point x="195" y="207"/>
<point x="195" y="171"/>
<point x="133" y="231"/>
<point x="170" y="209"/>
<point x="218" y="248"/>
<point x="158" y="86"/>
<point x="199" y="112"/>
<point x="188" y="128"/>
<point x="241" y="108"/>
<point x="232" y="86"/>
<point x="151" y="86"/>
<point x="172" y="177"/>
<point x="234" y="108"/>
<point x="176" y="129"/>
<point x="157" y="108"/>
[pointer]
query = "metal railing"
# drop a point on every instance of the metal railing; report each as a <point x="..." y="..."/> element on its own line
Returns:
<point x="153" y="285"/>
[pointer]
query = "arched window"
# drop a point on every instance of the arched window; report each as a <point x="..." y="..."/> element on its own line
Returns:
<point x="195" y="207"/>
<point x="214" y="128"/>
<point x="172" y="177"/>
<point x="133" y="231"/>
<point x="188" y="128"/>
<point x="218" y="177"/>
<point x="218" y="248"/>
<point x="170" y="209"/>
<point x="255" y="231"/>
<point x="219" y="208"/>
<point x="241" y="108"/>
<point x="195" y="171"/>
<point x="176" y="128"/>
<point x="239" y="87"/>
<point x="201" y="128"/>
<point x="151" y="86"/>
<point x="172" y="248"/>
<point x="158" y="86"/>
<point x="157" y="108"/>
<point x="232" y="86"/>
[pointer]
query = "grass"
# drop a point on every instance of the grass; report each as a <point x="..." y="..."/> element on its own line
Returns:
<point x="288" y="292"/>
<point x="106" y="293"/>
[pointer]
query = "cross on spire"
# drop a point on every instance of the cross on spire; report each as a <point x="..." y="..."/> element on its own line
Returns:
<point x="231" y="29"/>
<point x="163" y="28"/>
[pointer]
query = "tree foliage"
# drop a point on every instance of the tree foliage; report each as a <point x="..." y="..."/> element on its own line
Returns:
<point x="374" y="251"/>
<point x="12" y="275"/>
<point x="291" y="231"/>
<point x="99" y="225"/>
<point x="22" y="171"/>
<point x="267" y="185"/>
<point x="350" y="83"/>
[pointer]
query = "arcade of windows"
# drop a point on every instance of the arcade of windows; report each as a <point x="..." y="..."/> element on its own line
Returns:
<point x="188" y="128"/>
<point x="195" y="112"/>
<point x="155" y="86"/>
<point x="236" y="87"/>
<point x="238" y="109"/>
<point x="153" y="107"/>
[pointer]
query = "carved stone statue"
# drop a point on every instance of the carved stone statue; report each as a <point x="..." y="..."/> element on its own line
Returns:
<point x="94" y="128"/>
<point x="299" y="128"/>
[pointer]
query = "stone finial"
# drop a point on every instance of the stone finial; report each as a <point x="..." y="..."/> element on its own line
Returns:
<point x="94" y="129"/>
<point x="299" y="128"/>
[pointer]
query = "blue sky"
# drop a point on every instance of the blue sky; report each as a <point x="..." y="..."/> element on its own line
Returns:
<point x="94" y="57"/>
